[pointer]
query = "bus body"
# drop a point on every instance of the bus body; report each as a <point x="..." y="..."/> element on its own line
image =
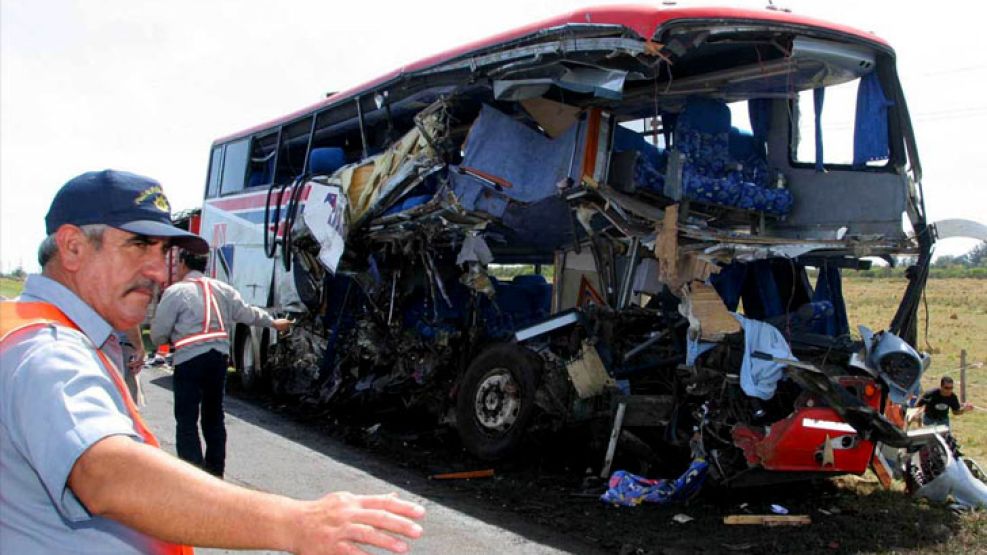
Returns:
<point x="678" y="191"/>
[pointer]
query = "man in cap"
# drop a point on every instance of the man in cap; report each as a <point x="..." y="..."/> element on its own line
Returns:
<point x="79" y="470"/>
<point x="195" y="315"/>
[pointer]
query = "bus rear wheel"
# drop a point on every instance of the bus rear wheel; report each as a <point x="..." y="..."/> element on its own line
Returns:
<point x="248" y="366"/>
<point x="496" y="401"/>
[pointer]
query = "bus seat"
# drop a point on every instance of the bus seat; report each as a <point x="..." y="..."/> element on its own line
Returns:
<point x="710" y="173"/>
<point x="637" y="160"/>
<point x="539" y="293"/>
<point x="409" y="203"/>
<point x="325" y="160"/>
<point x="753" y="165"/>
<point x="261" y="175"/>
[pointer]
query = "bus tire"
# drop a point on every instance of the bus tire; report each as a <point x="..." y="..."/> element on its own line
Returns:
<point x="495" y="401"/>
<point x="248" y="364"/>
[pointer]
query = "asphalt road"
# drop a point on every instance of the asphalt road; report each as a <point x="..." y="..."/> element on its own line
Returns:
<point x="268" y="452"/>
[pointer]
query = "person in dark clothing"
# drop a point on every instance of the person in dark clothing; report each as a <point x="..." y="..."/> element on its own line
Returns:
<point x="938" y="403"/>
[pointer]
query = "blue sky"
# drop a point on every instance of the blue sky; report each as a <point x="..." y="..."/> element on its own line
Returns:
<point x="147" y="85"/>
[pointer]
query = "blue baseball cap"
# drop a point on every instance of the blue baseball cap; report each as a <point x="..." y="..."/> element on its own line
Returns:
<point x="122" y="200"/>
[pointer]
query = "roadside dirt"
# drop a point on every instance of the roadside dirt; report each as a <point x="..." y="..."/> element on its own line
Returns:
<point x="549" y="487"/>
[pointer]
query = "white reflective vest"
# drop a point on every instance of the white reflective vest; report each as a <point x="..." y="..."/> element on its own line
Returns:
<point x="211" y="315"/>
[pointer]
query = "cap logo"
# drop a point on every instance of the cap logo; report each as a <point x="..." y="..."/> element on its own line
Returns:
<point x="158" y="199"/>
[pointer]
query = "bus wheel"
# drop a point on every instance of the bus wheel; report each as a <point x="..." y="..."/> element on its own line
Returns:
<point x="248" y="367"/>
<point x="496" y="401"/>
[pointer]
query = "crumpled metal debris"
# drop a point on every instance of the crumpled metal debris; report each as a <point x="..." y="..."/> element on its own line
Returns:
<point x="474" y="249"/>
<point x="935" y="473"/>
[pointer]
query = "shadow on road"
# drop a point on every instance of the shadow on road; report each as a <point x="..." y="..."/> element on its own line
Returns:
<point x="459" y="496"/>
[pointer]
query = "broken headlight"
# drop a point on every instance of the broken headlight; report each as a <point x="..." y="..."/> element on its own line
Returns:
<point x="895" y="361"/>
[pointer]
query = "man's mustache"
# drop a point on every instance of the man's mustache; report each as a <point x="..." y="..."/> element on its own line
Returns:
<point x="146" y="286"/>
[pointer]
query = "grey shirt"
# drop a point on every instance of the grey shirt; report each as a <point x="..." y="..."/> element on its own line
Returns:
<point x="182" y="311"/>
<point x="56" y="401"/>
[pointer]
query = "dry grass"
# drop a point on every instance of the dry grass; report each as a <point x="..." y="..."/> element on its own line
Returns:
<point x="957" y="320"/>
<point x="10" y="288"/>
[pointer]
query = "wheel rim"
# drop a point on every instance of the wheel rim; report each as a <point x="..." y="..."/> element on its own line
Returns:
<point x="497" y="401"/>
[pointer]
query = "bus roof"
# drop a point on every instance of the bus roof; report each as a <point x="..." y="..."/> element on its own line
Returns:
<point x="645" y="21"/>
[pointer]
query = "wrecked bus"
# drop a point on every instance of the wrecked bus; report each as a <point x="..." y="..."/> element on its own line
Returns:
<point x="677" y="193"/>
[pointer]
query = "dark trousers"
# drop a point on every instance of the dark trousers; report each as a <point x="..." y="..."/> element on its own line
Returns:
<point x="201" y="381"/>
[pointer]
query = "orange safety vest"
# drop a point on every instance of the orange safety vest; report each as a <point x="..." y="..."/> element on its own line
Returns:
<point x="17" y="316"/>
<point x="211" y="306"/>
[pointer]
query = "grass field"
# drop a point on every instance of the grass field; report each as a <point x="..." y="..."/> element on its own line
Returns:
<point x="10" y="288"/>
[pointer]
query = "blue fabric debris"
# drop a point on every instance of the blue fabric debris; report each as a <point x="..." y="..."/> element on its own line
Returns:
<point x="530" y="162"/>
<point x="475" y="195"/>
<point x="545" y="224"/>
<point x="762" y="292"/>
<point x="630" y="490"/>
<point x="729" y="283"/>
<point x="870" y="130"/>
<point x="759" y="378"/>
<point x="829" y="288"/>
<point x="694" y="347"/>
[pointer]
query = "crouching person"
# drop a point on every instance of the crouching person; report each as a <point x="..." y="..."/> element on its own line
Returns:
<point x="79" y="470"/>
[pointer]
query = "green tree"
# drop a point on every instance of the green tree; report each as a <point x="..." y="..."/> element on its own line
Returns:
<point x="977" y="257"/>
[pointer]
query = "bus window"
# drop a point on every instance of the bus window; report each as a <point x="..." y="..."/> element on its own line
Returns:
<point x="293" y="148"/>
<point x="215" y="172"/>
<point x="234" y="166"/>
<point x="837" y="126"/>
<point x="261" y="171"/>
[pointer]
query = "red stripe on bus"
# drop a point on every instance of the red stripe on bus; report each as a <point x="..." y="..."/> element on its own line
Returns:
<point x="255" y="200"/>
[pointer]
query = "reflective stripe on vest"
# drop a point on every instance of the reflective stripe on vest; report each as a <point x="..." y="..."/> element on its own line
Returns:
<point x="209" y="300"/>
<point x="21" y="316"/>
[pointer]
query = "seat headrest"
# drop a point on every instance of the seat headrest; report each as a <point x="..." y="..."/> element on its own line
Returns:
<point x="741" y="145"/>
<point x="326" y="160"/>
<point x="527" y="279"/>
<point x="705" y="115"/>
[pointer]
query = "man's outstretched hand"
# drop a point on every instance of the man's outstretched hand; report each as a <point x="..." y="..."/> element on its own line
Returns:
<point x="342" y="523"/>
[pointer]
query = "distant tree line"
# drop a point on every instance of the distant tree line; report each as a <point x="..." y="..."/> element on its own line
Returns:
<point x="17" y="273"/>
<point x="973" y="264"/>
<point x="976" y="258"/>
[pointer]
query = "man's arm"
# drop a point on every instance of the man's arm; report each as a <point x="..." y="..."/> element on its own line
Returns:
<point x="245" y="313"/>
<point x="134" y="336"/>
<point x="165" y="316"/>
<point x="185" y="505"/>
<point x="957" y="408"/>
